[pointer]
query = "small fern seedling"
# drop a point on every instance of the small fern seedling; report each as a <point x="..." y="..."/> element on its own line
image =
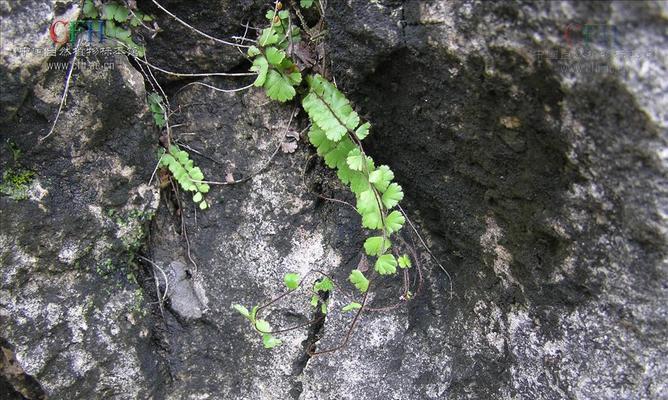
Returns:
<point x="157" y="109"/>
<point x="321" y="290"/>
<point x="186" y="174"/>
<point x="293" y="281"/>
<point x="277" y="74"/>
<point x="176" y="160"/>
<point x="261" y="326"/>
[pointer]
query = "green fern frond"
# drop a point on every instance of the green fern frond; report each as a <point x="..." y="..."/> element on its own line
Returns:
<point x="305" y="3"/>
<point x="186" y="174"/>
<point x="336" y="131"/>
<point x="157" y="109"/>
<point x="276" y="72"/>
<point x="118" y="22"/>
<point x="329" y="109"/>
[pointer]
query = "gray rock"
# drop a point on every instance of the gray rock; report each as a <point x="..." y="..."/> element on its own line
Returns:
<point x="70" y="306"/>
<point x="25" y="38"/>
<point x="180" y="49"/>
<point x="539" y="181"/>
<point x="557" y="247"/>
<point x="254" y="233"/>
<point x="181" y="292"/>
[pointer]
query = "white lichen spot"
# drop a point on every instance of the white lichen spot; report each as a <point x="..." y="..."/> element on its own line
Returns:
<point x="54" y="314"/>
<point x="96" y="211"/>
<point x="502" y="260"/>
<point x="68" y="253"/>
<point x="36" y="193"/>
<point x="308" y="252"/>
<point x="76" y="321"/>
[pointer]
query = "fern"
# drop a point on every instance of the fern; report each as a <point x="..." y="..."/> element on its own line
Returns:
<point x="306" y="3"/>
<point x="320" y="288"/>
<point x="404" y="262"/>
<point x="118" y="22"/>
<point x="351" y="307"/>
<point x="291" y="281"/>
<point x="186" y="174"/>
<point x="337" y="133"/>
<point x="178" y="161"/>
<point x="275" y="70"/>
<point x="358" y="279"/>
<point x="157" y="109"/>
<point x="261" y="326"/>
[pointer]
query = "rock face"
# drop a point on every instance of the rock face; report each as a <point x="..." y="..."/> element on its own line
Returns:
<point x="530" y="142"/>
<point x="24" y="26"/>
<point x="74" y="207"/>
<point x="174" y="48"/>
<point x="261" y="230"/>
<point x="528" y="181"/>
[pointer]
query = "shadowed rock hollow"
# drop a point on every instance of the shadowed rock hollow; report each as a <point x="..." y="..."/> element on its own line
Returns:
<point x="539" y="180"/>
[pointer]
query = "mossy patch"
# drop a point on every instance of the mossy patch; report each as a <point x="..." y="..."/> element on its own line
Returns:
<point x="16" y="183"/>
<point x="131" y="227"/>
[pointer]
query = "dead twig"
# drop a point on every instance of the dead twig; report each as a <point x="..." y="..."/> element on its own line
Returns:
<point x="161" y="299"/>
<point x="217" y="89"/>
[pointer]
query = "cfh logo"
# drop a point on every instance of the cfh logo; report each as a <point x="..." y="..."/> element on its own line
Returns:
<point x="63" y="31"/>
<point x="591" y="34"/>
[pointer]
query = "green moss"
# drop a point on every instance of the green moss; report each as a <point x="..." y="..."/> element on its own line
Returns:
<point x="16" y="183"/>
<point x="132" y="224"/>
<point x="138" y="306"/>
<point x="105" y="267"/>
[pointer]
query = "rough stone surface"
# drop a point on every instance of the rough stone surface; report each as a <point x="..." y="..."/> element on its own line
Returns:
<point x="182" y="294"/>
<point x="179" y="48"/>
<point x="538" y="179"/>
<point x="70" y="309"/>
<point x="541" y="182"/>
<point x="24" y="36"/>
<point x="260" y="230"/>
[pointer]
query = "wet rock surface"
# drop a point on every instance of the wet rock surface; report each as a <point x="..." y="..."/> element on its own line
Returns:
<point x="528" y="186"/>
<point x="540" y="183"/>
<point x="70" y="306"/>
<point x="175" y="48"/>
<point x="261" y="230"/>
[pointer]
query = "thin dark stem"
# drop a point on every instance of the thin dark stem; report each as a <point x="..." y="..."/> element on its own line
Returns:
<point x="348" y="334"/>
<point x="308" y="189"/>
<point x="427" y="248"/>
<point x="300" y="285"/>
<point x="215" y="39"/>
<point x="285" y="294"/>
<point x="311" y="322"/>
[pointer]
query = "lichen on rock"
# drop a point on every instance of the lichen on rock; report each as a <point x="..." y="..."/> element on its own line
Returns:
<point x="538" y="181"/>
